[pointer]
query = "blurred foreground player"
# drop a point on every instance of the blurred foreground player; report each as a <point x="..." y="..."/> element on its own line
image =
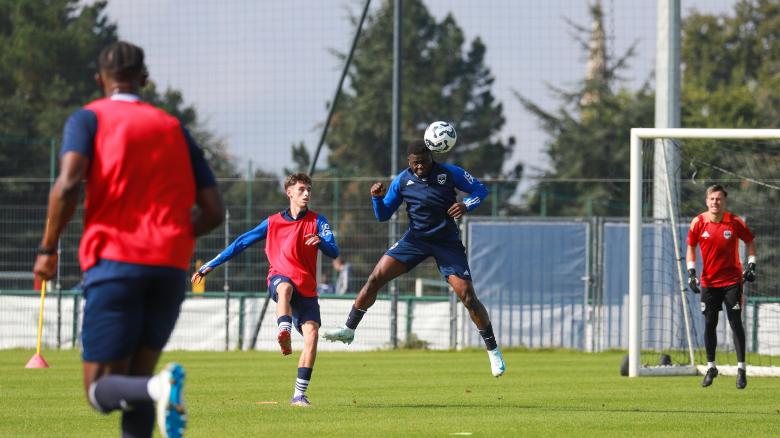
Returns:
<point x="144" y="174"/>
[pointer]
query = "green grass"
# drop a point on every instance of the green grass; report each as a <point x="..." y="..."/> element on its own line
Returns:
<point x="404" y="393"/>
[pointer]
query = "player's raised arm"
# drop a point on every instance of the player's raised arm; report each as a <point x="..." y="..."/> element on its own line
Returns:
<point x="386" y="204"/>
<point x="235" y="248"/>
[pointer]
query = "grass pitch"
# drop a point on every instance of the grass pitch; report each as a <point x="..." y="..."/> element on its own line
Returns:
<point x="403" y="394"/>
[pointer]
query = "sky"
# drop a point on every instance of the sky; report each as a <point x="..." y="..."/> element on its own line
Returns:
<point x="260" y="73"/>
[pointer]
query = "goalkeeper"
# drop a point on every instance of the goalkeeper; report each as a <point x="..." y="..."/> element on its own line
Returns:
<point x="716" y="232"/>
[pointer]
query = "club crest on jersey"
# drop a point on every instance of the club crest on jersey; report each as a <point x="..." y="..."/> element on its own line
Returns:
<point x="705" y="235"/>
<point x="441" y="178"/>
<point x="727" y="234"/>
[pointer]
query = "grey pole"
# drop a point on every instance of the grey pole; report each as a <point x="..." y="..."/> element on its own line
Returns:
<point x="667" y="103"/>
<point x="338" y="88"/>
<point x="666" y="158"/>
<point x="226" y="286"/>
<point x="396" y="131"/>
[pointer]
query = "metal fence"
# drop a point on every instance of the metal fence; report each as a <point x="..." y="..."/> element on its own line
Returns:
<point x="345" y="202"/>
<point x="217" y="321"/>
<point x="547" y="283"/>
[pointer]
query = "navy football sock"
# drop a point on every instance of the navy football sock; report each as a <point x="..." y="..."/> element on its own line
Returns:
<point x="138" y="421"/>
<point x="114" y="392"/>
<point x="355" y="315"/>
<point x="302" y="382"/>
<point x="285" y="323"/>
<point x="488" y="337"/>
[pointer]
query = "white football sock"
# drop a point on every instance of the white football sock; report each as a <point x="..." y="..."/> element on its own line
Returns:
<point x="154" y="387"/>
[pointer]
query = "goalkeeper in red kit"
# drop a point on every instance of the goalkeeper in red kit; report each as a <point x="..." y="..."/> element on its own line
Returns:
<point x="717" y="232"/>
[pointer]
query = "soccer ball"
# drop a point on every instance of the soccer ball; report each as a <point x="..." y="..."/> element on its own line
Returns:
<point x="440" y="137"/>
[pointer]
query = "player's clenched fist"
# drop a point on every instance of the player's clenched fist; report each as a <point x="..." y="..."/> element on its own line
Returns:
<point x="378" y="189"/>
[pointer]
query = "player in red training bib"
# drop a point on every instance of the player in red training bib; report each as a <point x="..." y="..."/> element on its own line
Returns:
<point x="293" y="239"/>
<point x="717" y="232"/>
<point x="144" y="174"/>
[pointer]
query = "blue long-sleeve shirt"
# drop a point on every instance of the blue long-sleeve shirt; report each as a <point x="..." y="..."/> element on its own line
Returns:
<point x="428" y="199"/>
<point x="327" y="242"/>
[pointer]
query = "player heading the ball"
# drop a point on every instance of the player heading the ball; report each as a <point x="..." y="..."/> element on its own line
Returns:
<point x="429" y="190"/>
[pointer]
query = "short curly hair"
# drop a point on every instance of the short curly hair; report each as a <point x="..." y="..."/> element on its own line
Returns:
<point x="123" y="61"/>
<point x="417" y="147"/>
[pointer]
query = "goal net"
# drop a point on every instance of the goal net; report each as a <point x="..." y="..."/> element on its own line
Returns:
<point x="670" y="171"/>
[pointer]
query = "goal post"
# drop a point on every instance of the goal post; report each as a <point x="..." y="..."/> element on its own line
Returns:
<point x="636" y="223"/>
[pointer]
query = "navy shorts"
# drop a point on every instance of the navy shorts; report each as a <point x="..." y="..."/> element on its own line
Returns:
<point x="304" y="309"/>
<point x="450" y="254"/>
<point x="122" y="315"/>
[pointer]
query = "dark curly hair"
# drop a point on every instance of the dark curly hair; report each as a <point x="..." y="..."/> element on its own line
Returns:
<point x="123" y="61"/>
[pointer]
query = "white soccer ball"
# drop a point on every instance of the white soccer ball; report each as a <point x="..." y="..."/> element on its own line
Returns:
<point x="440" y="137"/>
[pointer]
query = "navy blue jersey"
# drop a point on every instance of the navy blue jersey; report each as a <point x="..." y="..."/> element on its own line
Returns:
<point x="428" y="199"/>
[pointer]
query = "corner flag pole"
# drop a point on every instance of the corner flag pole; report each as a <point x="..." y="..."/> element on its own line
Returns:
<point x="37" y="361"/>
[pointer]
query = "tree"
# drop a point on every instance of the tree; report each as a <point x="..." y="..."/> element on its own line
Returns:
<point x="442" y="80"/>
<point x="730" y="72"/>
<point x="589" y="136"/>
<point x="47" y="65"/>
<point x="731" y="79"/>
<point x="46" y="72"/>
<point x="46" y="68"/>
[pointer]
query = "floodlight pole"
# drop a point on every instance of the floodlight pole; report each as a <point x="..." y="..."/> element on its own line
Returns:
<point x="336" y="95"/>
<point x="667" y="105"/>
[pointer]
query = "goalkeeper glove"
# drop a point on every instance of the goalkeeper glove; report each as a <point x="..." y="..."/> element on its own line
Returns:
<point x="750" y="273"/>
<point x="693" y="282"/>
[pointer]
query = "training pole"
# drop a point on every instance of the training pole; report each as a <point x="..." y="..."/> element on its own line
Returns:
<point x="37" y="361"/>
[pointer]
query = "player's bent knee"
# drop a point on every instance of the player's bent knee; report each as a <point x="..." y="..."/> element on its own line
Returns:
<point x="92" y="400"/>
<point x="711" y="315"/>
<point x="374" y="283"/>
<point x="284" y="291"/>
<point x="470" y="300"/>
